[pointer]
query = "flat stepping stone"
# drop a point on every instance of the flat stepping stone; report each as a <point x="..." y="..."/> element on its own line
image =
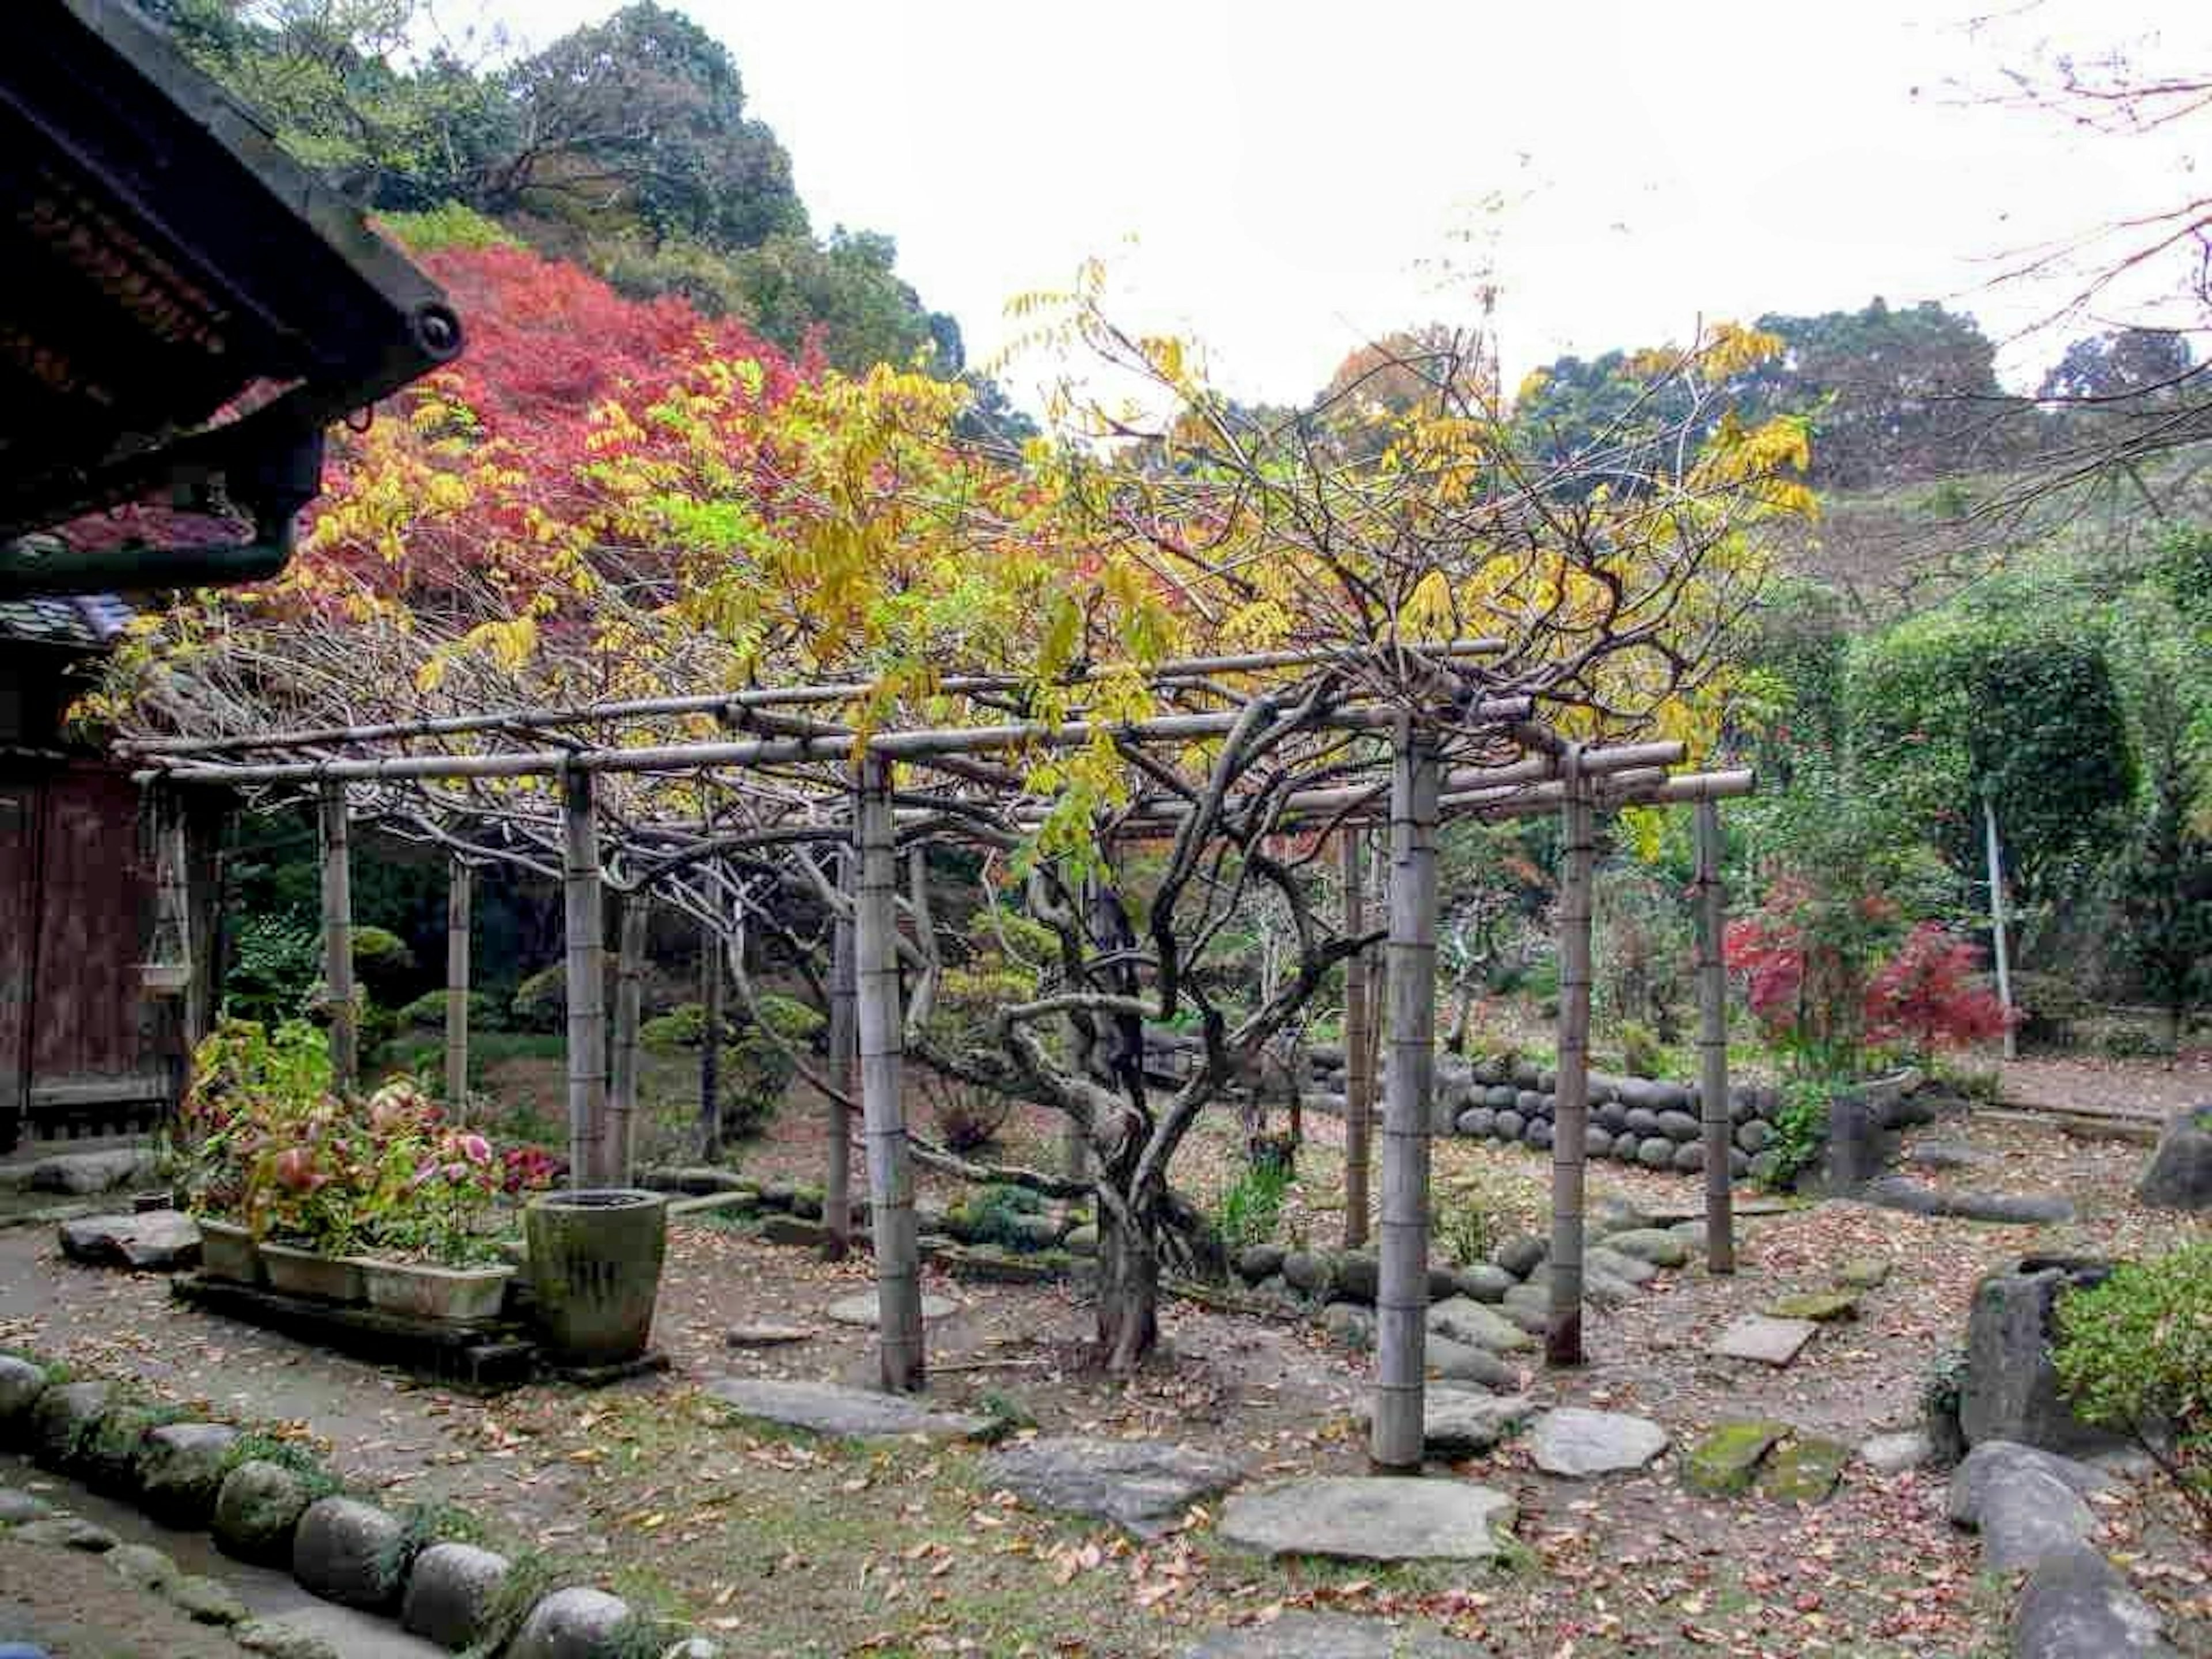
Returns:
<point x="158" y="1241"/>
<point x="1328" y="1636"/>
<point x="1726" y="1459"/>
<point x="865" y="1307"/>
<point x="1577" y="1444"/>
<point x="1371" y="1518"/>
<point x="1821" y="1307"/>
<point x="834" y="1409"/>
<point x="1462" y="1361"/>
<point x="1806" y="1471"/>
<point x="1459" y="1423"/>
<point x="1144" y="1485"/>
<point x="1654" y="1245"/>
<point x="768" y="1334"/>
<point x="1760" y="1337"/>
<point x="2005" y="1209"/>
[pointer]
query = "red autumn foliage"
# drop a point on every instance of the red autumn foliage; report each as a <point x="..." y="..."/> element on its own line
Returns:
<point x="1925" y="995"/>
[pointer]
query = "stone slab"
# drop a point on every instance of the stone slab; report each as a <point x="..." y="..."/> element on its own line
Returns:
<point x="1328" y="1636"/>
<point x="832" y="1409"/>
<point x="1576" y="1442"/>
<point x="1893" y="1454"/>
<point x="1464" y="1320"/>
<point x="2074" y="1606"/>
<point x="768" y="1334"/>
<point x="1371" y="1518"/>
<point x="864" y="1308"/>
<point x="1769" y="1341"/>
<point x="156" y="1241"/>
<point x="1144" y="1485"/>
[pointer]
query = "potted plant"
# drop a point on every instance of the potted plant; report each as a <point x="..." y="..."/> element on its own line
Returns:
<point x="246" y="1081"/>
<point x="429" y="1253"/>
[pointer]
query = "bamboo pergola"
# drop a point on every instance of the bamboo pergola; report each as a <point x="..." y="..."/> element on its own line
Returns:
<point x="792" y="794"/>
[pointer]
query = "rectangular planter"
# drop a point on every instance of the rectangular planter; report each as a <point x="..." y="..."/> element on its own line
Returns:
<point x="455" y="1296"/>
<point x="228" y="1251"/>
<point x="302" y="1273"/>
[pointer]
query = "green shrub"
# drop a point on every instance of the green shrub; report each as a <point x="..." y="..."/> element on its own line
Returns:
<point x="1467" y="1231"/>
<point x="540" y="1002"/>
<point x="988" y="1215"/>
<point x="1800" y="1127"/>
<point x="1252" y="1207"/>
<point x="426" y="1012"/>
<point x="274" y="962"/>
<point x="684" y="1026"/>
<point x="450" y="224"/>
<point x="759" y="1065"/>
<point x="1641" y="1054"/>
<point x="2134" y="1354"/>
<point x="382" y="963"/>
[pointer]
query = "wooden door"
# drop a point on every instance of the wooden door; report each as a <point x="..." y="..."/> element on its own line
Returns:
<point x="19" y="864"/>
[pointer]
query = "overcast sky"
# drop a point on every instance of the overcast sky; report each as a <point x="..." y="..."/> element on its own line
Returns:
<point x="1284" y="180"/>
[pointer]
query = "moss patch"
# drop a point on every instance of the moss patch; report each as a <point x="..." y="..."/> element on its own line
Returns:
<point x="1824" y="1307"/>
<point x="1804" y="1471"/>
<point x="1726" y="1459"/>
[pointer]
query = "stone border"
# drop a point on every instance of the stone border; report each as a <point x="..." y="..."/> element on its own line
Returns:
<point x="190" y="1475"/>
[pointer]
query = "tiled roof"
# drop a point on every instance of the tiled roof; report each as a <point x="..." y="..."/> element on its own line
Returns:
<point x="82" y="622"/>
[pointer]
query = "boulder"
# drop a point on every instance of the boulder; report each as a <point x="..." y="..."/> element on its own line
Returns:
<point x="1538" y="1134"/>
<point x="156" y="1241"/>
<point x="1655" y="1245"/>
<point x="1969" y="1481"/>
<point x="82" y="1174"/>
<point x="1640" y="1120"/>
<point x="450" y="1592"/>
<point x="1357" y="1276"/>
<point x="2027" y="1514"/>
<point x="63" y="1421"/>
<point x="1893" y="1454"/>
<point x="1611" y="1116"/>
<point x="573" y="1624"/>
<point x="1689" y="1158"/>
<point x="1656" y="1152"/>
<point x="180" y="1470"/>
<point x="1144" y="1486"/>
<point x="1476" y="1120"/>
<point x="1680" y="1125"/>
<point x="257" y="1509"/>
<point x="1484" y="1282"/>
<point x="1508" y="1125"/>
<point x="1454" y="1361"/>
<point x="67" y="1532"/>
<point x="1306" y="1271"/>
<point x="2075" y="1606"/>
<point x="1753" y="1136"/>
<point x="20" y="1384"/>
<point x="1464" y="1320"/>
<point x="1522" y="1255"/>
<point x="143" y="1566"/>
<point x="1596" y="1143"/>
<point x="1605" y="1262"/>
<point x="1529" y="1306"/>
<point x="1350" y="1324"/>
<point x="2180" y="1173"/>
<point x="349" y="1551"/>
<point x="2010" y="1389"/>
<point x="1578" y="1444"/>
<point x="17" y="1507"/>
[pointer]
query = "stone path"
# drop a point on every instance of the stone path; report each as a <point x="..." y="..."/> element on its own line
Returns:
<point x="1144" y="1485"/>
<point x="1371" y="1518"/>
<point x="1577" y="1444"/>
<point x="833" y="1409"/>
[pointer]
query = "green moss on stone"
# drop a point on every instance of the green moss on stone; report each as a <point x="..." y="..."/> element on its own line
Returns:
<point x="1824" y="1307"/>
<point x="1726" y="1459"/>
<point x="1866" y="1272"/>
<point x="1805" y="1471"/>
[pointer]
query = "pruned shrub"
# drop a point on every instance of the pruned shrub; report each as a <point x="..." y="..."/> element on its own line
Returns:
<point x="684" y="1026"/>
<point x="2134" y="1354"/>
<point x="968" y="1117"/>
<point x="1252" y="1209"/>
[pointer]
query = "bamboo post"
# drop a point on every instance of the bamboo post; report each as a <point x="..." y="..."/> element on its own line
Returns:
<point x="1712" y="1044"/>
<point x="1358" y="1079"/>
<point x="586" y="928"/>
<point x="710" y="1045"/>
<point x="460" y="892"/>
<point x="621" y="1069"/>
<point x="338" y="937"/>
<point x="1998" y="918"/>
<point x="1563" y="1335"/>
<point x="890" y="1181"/>
<point x="844" y="1071"/>
<point x="1401" y="1304"/>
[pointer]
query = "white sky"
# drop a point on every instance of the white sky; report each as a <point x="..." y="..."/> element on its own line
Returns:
<point x="1299" y="177"/>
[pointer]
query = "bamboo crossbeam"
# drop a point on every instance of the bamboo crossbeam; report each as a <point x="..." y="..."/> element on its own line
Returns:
<point x="1172" y="672"/>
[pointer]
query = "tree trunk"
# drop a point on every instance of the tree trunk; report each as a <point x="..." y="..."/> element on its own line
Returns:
<point x="337" y="938"/>
<point x="584" y="925"/>
<point x="1129" y="1281"/>
<point x="1358" y="1076"/>
<point x="1397" y="1439"/>
<point x="459" y="881"/>
<point x="844" y="1076"/>
<point x="1563" y="1332"/>
<point x="621" y="1071"/>
<point x="710" y="1046"/>
<point x="1712" y="1044"/>
<point x="891" y="1174"/>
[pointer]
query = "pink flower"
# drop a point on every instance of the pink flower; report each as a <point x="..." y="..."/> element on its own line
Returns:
<point x="476" y="1149"/>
